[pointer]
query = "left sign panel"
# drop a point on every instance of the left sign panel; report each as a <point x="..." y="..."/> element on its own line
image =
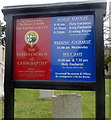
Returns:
<point x="32" y="49"/>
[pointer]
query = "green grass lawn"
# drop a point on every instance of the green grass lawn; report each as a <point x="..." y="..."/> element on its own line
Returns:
<point x="1" y="110"/>
<point x="30" y="106"/>
<point x="27" y="104"/>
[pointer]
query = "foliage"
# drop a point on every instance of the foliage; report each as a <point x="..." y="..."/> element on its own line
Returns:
<point x="107" y="59"/>
<point x="2" y="33"/>
<point x="107" y="39"/>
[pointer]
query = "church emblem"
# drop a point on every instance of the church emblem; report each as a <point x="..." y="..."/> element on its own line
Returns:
<point x="31" y="38"/>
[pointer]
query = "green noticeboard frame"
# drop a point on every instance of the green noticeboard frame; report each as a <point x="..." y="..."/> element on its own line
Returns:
<point x="12" y="13"/>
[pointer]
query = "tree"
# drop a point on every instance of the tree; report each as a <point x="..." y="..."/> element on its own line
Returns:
<point x="2" y="33"/>
<point x="107" y="39"/>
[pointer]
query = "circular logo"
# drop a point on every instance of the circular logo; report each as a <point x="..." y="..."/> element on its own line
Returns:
<point x="31" y="38"/>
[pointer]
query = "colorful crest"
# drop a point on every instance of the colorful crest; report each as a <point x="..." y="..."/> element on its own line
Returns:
<point x="31" y="38"/>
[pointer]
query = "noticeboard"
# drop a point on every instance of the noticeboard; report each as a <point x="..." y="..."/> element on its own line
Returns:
<point x="55" y="46"/>
<point x="59" y="48"/>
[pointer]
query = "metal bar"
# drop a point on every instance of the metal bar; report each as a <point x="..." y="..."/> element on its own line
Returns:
<point x="54" y="85"/>
<point x="9" y="89"/>
<point x="100" y="82"/>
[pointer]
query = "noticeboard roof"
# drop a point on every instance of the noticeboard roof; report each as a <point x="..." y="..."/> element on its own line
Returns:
<point x="64" y="5"/>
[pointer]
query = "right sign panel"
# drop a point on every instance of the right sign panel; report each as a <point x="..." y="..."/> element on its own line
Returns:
<point x="73" y="48"/>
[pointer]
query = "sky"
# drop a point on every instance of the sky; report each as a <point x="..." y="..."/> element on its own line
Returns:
<point x="24" y="2"/>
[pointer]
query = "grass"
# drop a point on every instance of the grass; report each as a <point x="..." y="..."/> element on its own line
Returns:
<point x="31" y="107"/>
<point x="27" y="104"/>
<point x="110" y="99"/>
<point x="1" y="110"/>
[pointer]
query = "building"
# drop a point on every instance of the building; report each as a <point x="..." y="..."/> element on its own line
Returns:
<point x="2" y="63"/>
